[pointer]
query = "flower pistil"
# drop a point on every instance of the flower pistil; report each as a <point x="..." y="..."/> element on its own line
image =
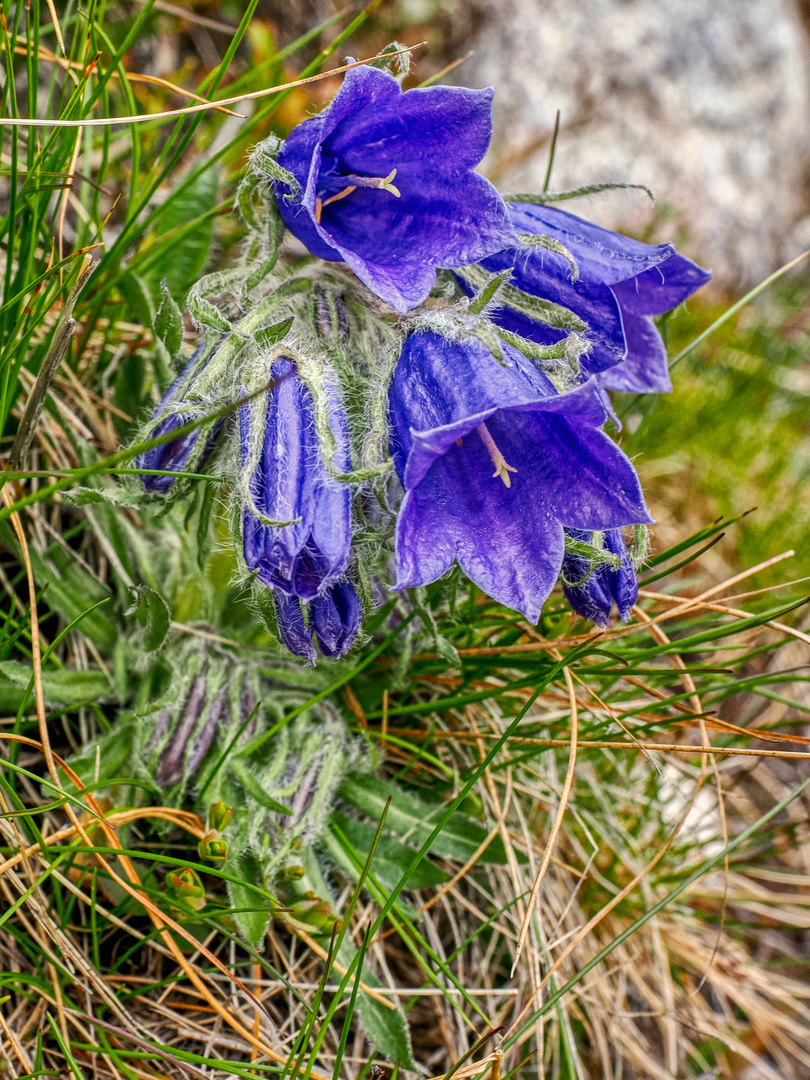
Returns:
<point x="383" y="183"/>
<point x="502" y="468"/>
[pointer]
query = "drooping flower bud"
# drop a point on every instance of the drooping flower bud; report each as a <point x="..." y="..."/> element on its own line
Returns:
<point x="334" y="620"/>
<point x="593" y="590"/>
<point x="171" y="413"/>
<point x="297" y="518"/>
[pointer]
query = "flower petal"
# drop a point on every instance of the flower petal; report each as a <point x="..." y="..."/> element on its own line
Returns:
<point x="301" y="155"/>
<point x="511" y="548"/>
<point x="444" y="214"/>
<point x="438" y="220"/>
<point x="663" y="287"/>
<point x="589" y="483"/>
<point x="603" y="257"/>
<point x="372" y="127"/>
<point x="645" y="369"/>
<point x="442" y="390"/>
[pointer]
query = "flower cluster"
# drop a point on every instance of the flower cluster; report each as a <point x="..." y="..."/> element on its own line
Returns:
<point x="428" y="387"/>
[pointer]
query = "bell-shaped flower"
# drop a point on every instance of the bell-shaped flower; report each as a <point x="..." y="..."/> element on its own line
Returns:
<point x="386" y="183"/>
<point x="619" y="284"/>
<point x="334" y="619"/>
<point x="592" y="591"/>
<point x="456" y="414"/>
<point x="176" y="454"/>
<point x="296" y="523"/>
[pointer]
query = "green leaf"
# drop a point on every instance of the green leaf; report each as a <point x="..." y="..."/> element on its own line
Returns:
<point x="152" y="613"/>
<point x="169" y="321"/>
<point x="253" y="788"/>
<point x="140" y="306"/>
<point x="62" y="688"/>
<point x="391" y="858"/>
<point x="263" y="160"/>
<point x="393" y="59"/>
<point x="115" y="494"/>
<point x="410" y="817"/>
<point x="207" y="504"/>
<point x="253" y="916"/>
<point x="183" y="260"/>
<point x="531" y="240"/>
<point x="70" y="589"/>
<point x="273" y="334"/>
<point x="386" y="1028"/>
<point x="204" y="313"/>
<point x="488" y="291"/>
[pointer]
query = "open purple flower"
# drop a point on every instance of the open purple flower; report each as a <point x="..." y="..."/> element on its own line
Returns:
<point x="594" y="595"/>
<point x="386" y="184"/>
<point x="176" y="454"/>
<point x="334" y="619"/>
<point x="303" y="544"/>
<point x="456" y="414"/>
<point x="620" y="284"/>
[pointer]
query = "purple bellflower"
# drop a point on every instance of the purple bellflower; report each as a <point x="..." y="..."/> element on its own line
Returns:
<point x="456" y="414"/>
<point x="304" y="544"/>
<point x="593" y="596"/>
<point x="386" y="184"/>
<point x="620" y="284"/>
<point x="174" y="455"/>
<point x="334" y="618"/>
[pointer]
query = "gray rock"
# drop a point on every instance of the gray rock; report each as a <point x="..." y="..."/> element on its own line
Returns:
<point x="708" y="103"/>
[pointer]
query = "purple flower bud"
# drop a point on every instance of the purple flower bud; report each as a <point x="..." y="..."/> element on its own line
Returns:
<point x="386" y="183"/>
<point x="594" y="598"/>
<point x="291" y="628"/>
<point x="456" y="413"/>
<point x="336" y="618"/>
<point x="290" y="483"/>
<point x="620" y="284"/>
<point x="174" y="456"/>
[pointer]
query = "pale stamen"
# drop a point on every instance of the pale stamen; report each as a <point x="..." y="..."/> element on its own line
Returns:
<point x="382" y="183"/>
<point x="502" y="469"/>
